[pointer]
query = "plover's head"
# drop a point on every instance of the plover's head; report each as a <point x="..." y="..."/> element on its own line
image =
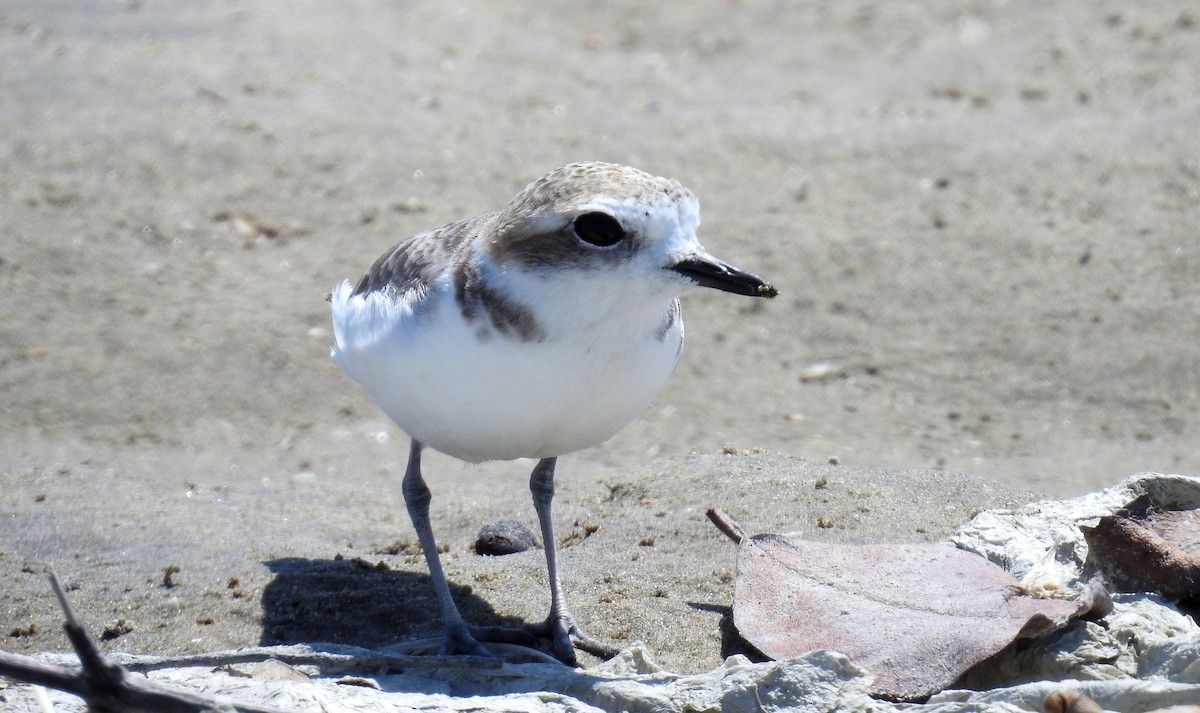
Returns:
<point x="613" y="224"/>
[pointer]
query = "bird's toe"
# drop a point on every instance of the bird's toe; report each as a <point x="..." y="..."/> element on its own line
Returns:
<point x="459" y="641"/>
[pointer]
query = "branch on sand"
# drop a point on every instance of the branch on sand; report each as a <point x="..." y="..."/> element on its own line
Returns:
<point x="108" y="687"/>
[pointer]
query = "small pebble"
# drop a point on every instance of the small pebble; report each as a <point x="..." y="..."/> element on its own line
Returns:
<point x="504" y="537"/>
<point x="823" y="371"/>
<point x="1067" y="702"/>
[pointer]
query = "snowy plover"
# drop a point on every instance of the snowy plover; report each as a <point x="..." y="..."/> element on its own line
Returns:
<point x="529" y="332"/>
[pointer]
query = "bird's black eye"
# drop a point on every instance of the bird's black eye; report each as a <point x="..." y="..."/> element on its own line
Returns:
<point x="598" y="229"/>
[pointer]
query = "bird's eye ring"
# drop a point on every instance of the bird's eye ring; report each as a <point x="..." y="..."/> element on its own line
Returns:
<point x="598" y="229"/>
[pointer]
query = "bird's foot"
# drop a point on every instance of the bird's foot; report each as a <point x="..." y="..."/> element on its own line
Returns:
<point x="595" y="647"/>
<point x="565" y="636"/>
<point x="459" y="640"/>
<point x="562" y="634"/>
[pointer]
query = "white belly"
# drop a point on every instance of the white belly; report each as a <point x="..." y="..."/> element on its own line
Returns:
<point x="499" y="398"/>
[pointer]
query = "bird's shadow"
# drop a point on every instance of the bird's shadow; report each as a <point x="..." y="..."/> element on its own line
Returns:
<point x="352" y="601"/>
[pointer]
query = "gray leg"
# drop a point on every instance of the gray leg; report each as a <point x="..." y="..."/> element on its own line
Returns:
<point x="458" y="639"/>
<point x="560" y="626"/>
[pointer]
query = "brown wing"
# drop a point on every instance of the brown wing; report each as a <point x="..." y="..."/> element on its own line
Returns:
<point x="418" y="260"/>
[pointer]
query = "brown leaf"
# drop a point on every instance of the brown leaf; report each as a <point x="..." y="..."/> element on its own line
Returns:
<point x="915" y="615"/>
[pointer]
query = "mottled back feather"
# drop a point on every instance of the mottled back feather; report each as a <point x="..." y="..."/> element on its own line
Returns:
<point x="416" y="261"/>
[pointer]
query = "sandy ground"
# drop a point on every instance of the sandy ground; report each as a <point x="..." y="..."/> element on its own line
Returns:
<point x="982" y="218"/>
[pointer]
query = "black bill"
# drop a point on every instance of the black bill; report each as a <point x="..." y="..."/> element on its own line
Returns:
<point x="708" y="271"/>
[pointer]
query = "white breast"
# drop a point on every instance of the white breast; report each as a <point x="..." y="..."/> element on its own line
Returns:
<point x="499" y="398"/>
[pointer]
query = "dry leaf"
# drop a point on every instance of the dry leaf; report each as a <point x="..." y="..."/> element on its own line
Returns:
<point x="915" y="615"/>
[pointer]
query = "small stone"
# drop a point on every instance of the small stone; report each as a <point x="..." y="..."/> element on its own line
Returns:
<point x="823" y="371"/>
<point x="116" y="630"/>
<point x="504" y="537"/>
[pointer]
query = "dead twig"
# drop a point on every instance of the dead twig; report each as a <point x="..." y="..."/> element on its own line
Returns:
<point x="349" y="659"/>
<point x="726" y="524"/>
<point x="105" y="686"/>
